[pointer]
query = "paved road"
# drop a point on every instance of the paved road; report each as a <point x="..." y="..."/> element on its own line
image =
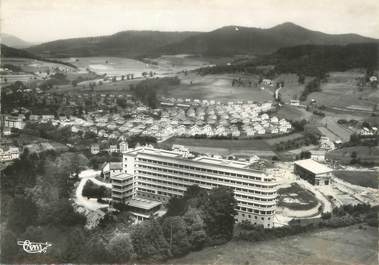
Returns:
<point x="90" y="204"/>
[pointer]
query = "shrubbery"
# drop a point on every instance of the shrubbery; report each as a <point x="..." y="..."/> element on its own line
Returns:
<point x="92" y="190"/>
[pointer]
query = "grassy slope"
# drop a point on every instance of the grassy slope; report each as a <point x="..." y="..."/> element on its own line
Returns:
<point x="361" y="178"/>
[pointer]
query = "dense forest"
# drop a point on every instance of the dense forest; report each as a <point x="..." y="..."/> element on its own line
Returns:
<point x="309" y="60"/>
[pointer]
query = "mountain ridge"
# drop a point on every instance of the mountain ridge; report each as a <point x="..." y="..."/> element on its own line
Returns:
<point x="14" y="41"/>
<point x="225" y="41"/>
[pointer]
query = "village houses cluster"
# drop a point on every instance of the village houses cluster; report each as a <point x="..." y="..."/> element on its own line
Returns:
<point x="196" y="118"/>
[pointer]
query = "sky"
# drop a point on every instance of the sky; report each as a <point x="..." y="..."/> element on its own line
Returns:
<point x="46" y="20"/>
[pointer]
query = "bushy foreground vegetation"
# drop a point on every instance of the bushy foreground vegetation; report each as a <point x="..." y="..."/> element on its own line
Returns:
<point x="36" y="206"/>
<point x="340" y="217"/>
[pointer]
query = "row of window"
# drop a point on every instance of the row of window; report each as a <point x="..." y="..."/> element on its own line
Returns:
<point x="173" y="183"/>
<point x="245" y="197"/>
<point x="244" y="209"/>
<point x="255" y="217"/>
<point x="118" y="193"/>
<point x="117" y="199"/>
<point x="124" y="181"/>
<point x="256" y="205"/>
<point x="123" y="187"/>
<point x="160" y="187"/>
<point x="202" y="177"/>
<point x="201" y="169"/>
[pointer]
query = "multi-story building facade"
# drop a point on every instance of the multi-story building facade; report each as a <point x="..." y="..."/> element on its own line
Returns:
<point x="157" y="175"/>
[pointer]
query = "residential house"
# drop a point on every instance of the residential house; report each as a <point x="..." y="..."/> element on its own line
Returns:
<point x="95" y="149"/>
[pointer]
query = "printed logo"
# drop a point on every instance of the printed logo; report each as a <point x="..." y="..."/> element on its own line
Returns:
<point x="34" y="247"/>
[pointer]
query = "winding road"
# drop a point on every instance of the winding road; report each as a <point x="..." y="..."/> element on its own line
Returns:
<point x="90" y="204"/>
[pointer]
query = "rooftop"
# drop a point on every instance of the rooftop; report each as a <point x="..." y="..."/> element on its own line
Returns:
<point x="115" y="165"/>
<point x="121" y="176"/>
<point x="224" y="162"/>
<point x="313" y="166"/>
<point x="153" y="151"/>
<point x="143" y="204"/>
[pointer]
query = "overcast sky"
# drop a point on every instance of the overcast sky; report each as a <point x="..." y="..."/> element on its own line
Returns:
<point x="45" y="20"/>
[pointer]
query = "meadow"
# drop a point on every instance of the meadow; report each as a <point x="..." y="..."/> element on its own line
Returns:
<point x="341" y="246"/>
<point x="366" y="154"/>
<point x="360" y="178"/>
<point x="341" y="91"/>
<point x="217" y="87"/>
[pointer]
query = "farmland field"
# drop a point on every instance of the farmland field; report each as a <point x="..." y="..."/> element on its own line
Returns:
<point x="342" y="246"/>
<point x="361" y="178"/>
<point x="276" y="140"/>
<point x="293" y="113"/>
<point x="364" y="153"/>
<point x="217" y="87"/>
<point x="341" y="91"/>
<point x="112" y="65"/>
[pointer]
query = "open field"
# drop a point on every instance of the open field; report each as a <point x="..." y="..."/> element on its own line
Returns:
<point x="364" y="153"/>
<point x="107" y="87"/>
<point x="179" y="62"/>
<point x="296" y="198"/>
<point x="293" y="113"/>
<point x="342" y="246"/>
<point x="32" y="65"/>
<point x="276" y="140"/>
<point x="360" y="178"/>
<point x="292" y="89"/>
<point x="223" y="147"/>
<point x="341" y="91"/>
<point x="37" y="144"/>
<point x="113" y="65"/>
<point x="217" y="87"/>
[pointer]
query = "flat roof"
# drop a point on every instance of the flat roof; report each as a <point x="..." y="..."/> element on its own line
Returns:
<point x="313" y="166"/>
<point x="200" y="160"/>
<point x="153" y="151"/>
<point x="225" y="162"/>
<point x="143" y="204"/>
<point x="121" y="176"/>
<point x="115" y="165"/>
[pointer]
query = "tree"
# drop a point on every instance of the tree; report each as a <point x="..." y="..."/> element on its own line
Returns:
<point x="149" y="242"/>
<point x="219" y="212"/>
<point x="195" y="228"/>
<point x="73" y="245"/>
<point x="120" y="248"/>
<point x="176" y="206"/>
<point x="305" y="155"/>
<point x="355" y="139"/>
<point x="301" y="78"/>
<point x="95" y="251"/>
<point x="91" y="190"/>
<point x="9" y="248"/>
<point x="60" y="212"/>
<point x="194" y="197"/>
<point x="175" y="232"/>
<point x="23" y="213"/>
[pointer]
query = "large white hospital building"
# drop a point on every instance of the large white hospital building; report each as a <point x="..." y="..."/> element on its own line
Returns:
<point x="156" y="175"/>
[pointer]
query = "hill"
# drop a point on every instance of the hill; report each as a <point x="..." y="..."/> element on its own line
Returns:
<point x="225" y="41"/>
<point x="13" y="41"/>
<point x="320" y="59"/>
<point x="125" y="44"/>
<point x="309" y="60"/>
<point x="9" y="52"/>
<point x="232" y="40"/>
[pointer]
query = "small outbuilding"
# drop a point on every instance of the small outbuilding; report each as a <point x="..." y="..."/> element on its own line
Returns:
<point x="313" y="172"/>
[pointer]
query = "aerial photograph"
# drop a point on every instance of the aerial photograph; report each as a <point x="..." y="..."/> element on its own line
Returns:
<point x="187" y="132"/>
